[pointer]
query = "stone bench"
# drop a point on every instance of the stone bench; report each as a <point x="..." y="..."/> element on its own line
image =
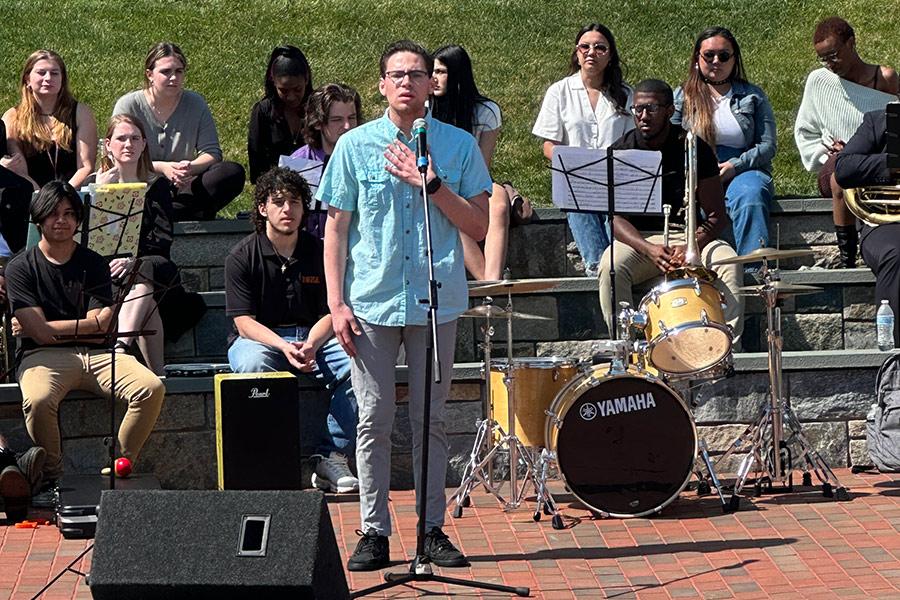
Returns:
<point x="839" y="317"/>
<point x="830" y="391"/>
<point x="200" y="247"/>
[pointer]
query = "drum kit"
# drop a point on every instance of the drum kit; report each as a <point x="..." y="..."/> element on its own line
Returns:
<point x="616" y="429"/>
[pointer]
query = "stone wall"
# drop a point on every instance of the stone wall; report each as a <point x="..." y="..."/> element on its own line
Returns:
<point x="831" y="403"/>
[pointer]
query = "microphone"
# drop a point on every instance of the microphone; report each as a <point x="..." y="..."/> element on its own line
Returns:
<point x="420" y="126"/>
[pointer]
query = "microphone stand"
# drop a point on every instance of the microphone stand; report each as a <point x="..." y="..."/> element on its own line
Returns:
<point x="420" y="569"/>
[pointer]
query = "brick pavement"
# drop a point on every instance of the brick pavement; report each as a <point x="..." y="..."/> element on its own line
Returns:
<point x="797" y="545"/>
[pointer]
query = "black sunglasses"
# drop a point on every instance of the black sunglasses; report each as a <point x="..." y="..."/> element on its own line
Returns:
<point x="710" y="55"/>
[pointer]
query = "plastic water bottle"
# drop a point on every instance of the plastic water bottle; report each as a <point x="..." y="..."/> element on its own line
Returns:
<point x="884" y="326"/>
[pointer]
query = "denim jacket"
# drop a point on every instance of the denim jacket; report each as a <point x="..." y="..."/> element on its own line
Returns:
<point x="754" y="115"/>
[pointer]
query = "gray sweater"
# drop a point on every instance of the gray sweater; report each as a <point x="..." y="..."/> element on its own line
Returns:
<point x="189" y="132"/>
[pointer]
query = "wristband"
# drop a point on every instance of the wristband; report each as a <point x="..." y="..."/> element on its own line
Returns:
<point x="433" y="185"/>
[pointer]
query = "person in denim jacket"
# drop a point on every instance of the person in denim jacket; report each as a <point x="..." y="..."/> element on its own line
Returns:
<point x="735" y="117"/>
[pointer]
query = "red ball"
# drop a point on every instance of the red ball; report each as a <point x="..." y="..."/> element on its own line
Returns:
<point x="123" y="467"/>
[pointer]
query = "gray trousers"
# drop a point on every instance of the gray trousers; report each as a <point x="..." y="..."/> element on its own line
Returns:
<point x="372" y="373"/>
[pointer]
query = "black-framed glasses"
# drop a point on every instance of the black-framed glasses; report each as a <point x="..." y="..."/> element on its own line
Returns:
<point x="652" y="109"/>
<point x="828" y="58"/>
<point x="415" y="76"/>
<point x="599" y="48"/>
<point x="710" y="55"/>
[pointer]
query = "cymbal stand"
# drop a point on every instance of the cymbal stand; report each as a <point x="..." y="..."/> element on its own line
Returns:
<point x="518" y="453"/>
<point x="486" y="428"/>
<point x="769" y="453"/>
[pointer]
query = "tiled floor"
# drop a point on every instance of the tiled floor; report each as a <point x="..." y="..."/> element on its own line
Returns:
<point x="796" y="545"/>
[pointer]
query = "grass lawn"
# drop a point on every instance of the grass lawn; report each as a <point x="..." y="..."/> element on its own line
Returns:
<point x="519" y="47"/>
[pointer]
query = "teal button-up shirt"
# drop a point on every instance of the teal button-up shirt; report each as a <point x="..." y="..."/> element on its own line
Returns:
<point x="386" y="277"/>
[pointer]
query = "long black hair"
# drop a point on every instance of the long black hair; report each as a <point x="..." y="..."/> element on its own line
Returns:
<point x="457" y="105"/>
<point x="613" y="77"/>
<point x="287" y="61"/>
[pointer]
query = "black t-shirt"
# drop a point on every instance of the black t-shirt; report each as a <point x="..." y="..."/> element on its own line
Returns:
<point x="64" y="292"/>
<point x="256" y="285"/>
<point x="673" y="156"/>
<point x="269" y="137"/>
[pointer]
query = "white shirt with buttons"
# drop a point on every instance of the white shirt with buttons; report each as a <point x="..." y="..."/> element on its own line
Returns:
<point x="566" y="116"/>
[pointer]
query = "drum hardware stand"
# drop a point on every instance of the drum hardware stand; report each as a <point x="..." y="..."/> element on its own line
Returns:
<point x="479" y="468"/>
<point x="420" y="568"/>
<point x="768" y="449"/>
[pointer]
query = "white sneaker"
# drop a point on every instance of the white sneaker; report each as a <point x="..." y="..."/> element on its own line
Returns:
<point x="334" y="475"/>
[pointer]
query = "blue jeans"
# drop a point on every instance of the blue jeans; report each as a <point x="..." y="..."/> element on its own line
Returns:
<point x="747" y="199"/>
<point x="332" y="364"/>
<point x="591" y="234"/>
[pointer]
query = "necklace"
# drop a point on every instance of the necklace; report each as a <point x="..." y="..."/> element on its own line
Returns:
<point x="157" y="111"/>
<point x="285" y="262"/>
<point x="709" y="81"/>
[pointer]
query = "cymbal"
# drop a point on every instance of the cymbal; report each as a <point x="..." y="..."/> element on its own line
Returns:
<point x="510" y="286"/>
<point x="496" y="312"/>
<point x="781" y="287"/>
<point x="761" y="254"/>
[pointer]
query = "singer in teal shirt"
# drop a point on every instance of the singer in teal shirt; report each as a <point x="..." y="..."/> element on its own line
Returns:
<point x="387" y="274"/>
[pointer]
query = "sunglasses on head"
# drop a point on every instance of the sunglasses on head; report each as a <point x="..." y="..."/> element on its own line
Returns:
<point x="710" y="55"/>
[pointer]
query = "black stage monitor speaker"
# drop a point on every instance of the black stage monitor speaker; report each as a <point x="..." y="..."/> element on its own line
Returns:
<point x="892" y="135"/>
<point x="258" y="431"/>
<point x="202" y="545"/>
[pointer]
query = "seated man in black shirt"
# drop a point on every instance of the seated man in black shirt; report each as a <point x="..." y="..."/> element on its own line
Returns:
<point x="275" y="292"/>
<point x="863" y="162"/>
<point x="58" y="288"/>
<point x="639" y="252"/>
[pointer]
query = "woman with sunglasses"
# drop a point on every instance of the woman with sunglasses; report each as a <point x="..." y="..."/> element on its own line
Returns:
<point x="456" y="100"/>
<point x="276" y="121"/>
<point x="735" y="117"/>
<point x="181" y="136"/>
<point x="587" y="109"/>
<point x="835" y="98"/>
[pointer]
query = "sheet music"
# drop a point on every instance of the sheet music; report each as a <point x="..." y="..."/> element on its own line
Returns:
<point x="310" y="169"/>
<point x="579" y="180"/>
<point x="114" y="218"/>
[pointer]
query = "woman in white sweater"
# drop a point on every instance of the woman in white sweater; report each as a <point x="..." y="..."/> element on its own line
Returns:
<point x="834" y="100"/>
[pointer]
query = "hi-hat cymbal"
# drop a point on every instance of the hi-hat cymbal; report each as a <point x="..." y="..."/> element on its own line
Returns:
<point x="496" y="312"/>
<point x="781" y="287"/>
<point x="761" y="254"/>
<point x="510" y="286"/>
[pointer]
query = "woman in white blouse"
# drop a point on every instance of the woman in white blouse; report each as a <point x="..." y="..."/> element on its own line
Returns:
<point x="587" y="109"/>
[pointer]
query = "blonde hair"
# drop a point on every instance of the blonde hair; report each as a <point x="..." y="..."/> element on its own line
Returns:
<point x="145" y="166"/>
<point x="32" y="133"/>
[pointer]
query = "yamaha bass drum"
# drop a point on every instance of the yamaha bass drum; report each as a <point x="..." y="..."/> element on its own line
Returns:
<point x="624" y="441"/>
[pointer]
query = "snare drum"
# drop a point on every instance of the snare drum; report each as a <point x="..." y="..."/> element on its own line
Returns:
<point x="536" y="381"/>
<point x="625" y="443"/>
<point x="686" y="330"/>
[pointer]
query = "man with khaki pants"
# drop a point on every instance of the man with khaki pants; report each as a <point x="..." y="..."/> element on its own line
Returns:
<point x="58" y="289"/>
<point x="640" y="255"/>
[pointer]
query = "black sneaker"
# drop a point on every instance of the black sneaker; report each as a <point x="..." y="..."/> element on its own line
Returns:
<point x="15" y="491"/>
<point x="441" y="551"/>
<point x="372" y="552"/>
<point x="31" y="463"/>
<point x="47" y="496"/>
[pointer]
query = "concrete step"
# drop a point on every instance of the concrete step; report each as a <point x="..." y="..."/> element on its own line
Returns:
<point x="200" y="247"/>
<point x="840" y="317"/>
<point x="830" y="392"/>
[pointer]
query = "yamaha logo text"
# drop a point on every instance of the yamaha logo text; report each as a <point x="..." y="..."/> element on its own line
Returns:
<point x="614" y="406"/>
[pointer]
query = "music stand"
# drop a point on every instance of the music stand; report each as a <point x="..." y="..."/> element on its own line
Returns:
<point x="583" y="178"/>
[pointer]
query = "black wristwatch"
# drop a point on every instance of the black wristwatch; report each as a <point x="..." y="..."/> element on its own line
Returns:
<point x="433" y="185"/>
